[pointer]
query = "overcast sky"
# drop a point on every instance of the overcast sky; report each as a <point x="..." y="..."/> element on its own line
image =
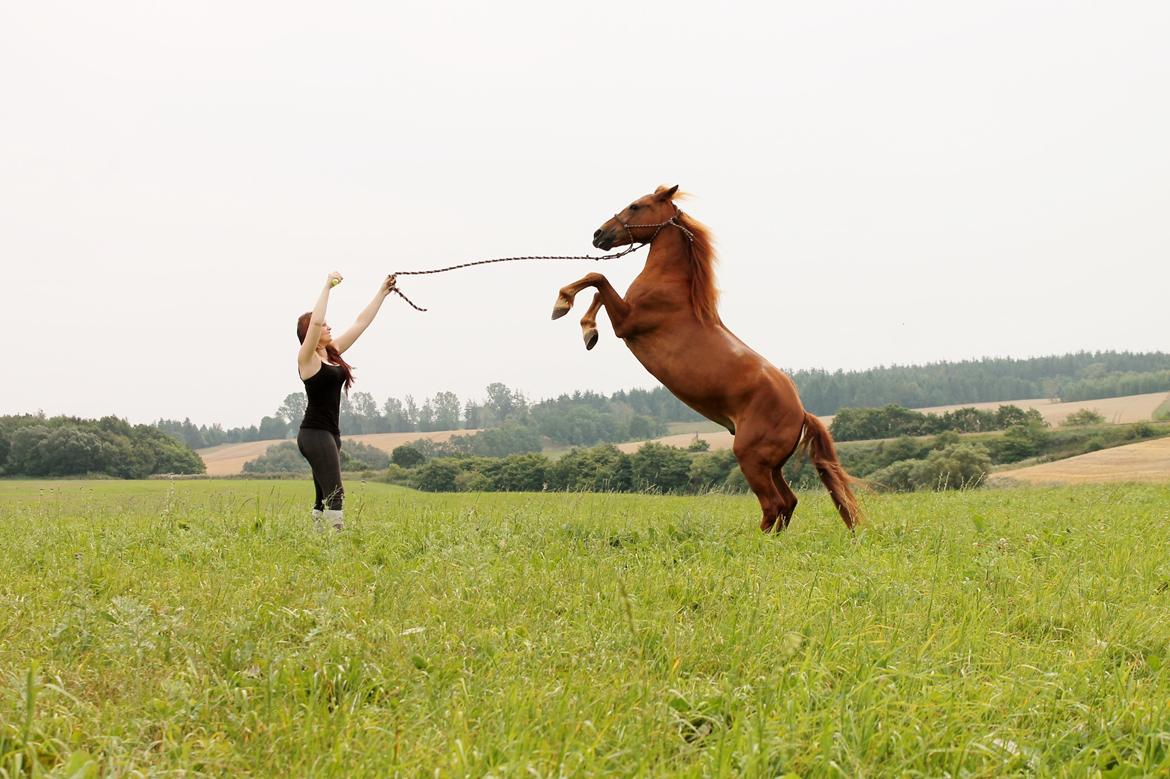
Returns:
<point x="892" y="182"/>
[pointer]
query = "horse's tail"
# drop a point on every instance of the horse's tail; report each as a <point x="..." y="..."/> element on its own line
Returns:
<point x="818" y="445"/>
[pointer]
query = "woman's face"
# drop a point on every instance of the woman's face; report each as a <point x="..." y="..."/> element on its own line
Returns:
<point x="326" y="336"/>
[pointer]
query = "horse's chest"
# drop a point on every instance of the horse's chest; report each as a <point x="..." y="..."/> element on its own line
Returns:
<point x="651" y="300"/>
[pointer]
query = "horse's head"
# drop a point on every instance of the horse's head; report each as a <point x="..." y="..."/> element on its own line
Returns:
<point x="638" y="222"/>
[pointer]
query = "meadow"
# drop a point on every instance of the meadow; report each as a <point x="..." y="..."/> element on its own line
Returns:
<point x="203" y="628"/>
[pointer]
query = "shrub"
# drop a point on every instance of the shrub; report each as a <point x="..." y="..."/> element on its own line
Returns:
<point x="957" y="466"/>
<point x="356" y="456"/>
<point x="472" y="481"/>
<point x="698" y="444"/>
<point x="520" y="473"/>
<point x="665" y="468"/>
<point x="407" y="456"/>
<point x="396" y="474"/>
<point x="710" y="471"/>
<point x="600" y="469"/>
<point x="279" y="458"/>
<point x="1018" y="443"/>
<point x="437" y="475"/>
<point x="1086" y="416"/>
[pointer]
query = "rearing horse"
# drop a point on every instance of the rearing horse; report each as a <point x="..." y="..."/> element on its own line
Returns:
<point x="670" y="321"/>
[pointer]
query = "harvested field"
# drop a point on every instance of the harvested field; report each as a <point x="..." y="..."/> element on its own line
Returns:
<point x="1131" y="408"/>
<point x="1148" y="461"/>
<point x="229" y="459"/>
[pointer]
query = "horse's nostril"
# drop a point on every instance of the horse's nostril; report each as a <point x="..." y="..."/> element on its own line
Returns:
<point x="597" y="234"/>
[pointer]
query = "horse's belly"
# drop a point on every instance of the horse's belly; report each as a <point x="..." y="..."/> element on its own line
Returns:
<point x="700" y="386"/>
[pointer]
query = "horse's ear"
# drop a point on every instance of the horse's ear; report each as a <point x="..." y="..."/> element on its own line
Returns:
<point x="662" y="193"/>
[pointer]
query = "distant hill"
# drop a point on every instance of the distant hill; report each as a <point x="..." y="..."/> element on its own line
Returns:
<point x="1080" y="376"/>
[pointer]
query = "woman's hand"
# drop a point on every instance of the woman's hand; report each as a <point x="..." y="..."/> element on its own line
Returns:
<point x="333" y="279"/>
<point x="388" y="285"/>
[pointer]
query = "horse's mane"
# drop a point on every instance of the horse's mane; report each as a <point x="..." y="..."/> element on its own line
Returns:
<point x="704" y="295"/>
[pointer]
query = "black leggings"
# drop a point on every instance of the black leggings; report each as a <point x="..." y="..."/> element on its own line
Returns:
<point x="323" y="451"/>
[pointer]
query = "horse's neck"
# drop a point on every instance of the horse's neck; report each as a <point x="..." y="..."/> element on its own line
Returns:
<point x="670" y="255"/>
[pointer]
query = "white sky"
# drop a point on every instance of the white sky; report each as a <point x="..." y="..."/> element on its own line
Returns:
<point x="888" y="182"/>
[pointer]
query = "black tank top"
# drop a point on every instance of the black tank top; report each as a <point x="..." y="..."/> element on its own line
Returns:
<point x="323" y="389"/>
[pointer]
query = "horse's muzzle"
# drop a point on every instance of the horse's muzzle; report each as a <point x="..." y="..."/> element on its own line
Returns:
<point x="603" y="239"/>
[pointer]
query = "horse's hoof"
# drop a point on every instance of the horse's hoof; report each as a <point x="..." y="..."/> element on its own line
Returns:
<point x="590" y="338"/>
<point x="561" y="308"/>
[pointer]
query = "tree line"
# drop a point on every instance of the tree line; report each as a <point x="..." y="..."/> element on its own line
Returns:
<point x="862" y="424"/>
<point x="582" y="418"/>
<point x="989" y="379"/>
<point x="35" y="445"/>
<point x="586" y="418"/>
<point x="944" y="461"/>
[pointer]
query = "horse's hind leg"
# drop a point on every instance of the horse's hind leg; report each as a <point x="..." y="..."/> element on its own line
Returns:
<point x="589" y="322"/>
<point x="759" y="478"/>
<point x="787" y="497"/>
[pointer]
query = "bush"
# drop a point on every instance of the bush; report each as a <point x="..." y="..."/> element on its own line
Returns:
<point x="1019" y="443"/>
<point x="710" y="471"/>
<point x="600" y="469"/>
<point x="663" y="468"/>
<point x="408" y="456"/>
<point x="520" y="473"/>
<point x="1082" y="418"/>
<point x="396" y="474"/>
<point x="437" y="475"/>
<point x="698" y="444"/>
<point x="284" y="457"/>
<point x="356" y="456"/>
<point x="958" y="466"/>
<point x="472" y="481"/>
<point x="736" y="482"/>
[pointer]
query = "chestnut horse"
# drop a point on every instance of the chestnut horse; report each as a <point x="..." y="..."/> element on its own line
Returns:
<point x="669" y="320"/>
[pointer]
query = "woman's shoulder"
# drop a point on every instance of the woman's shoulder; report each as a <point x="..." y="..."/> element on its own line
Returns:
<point x="309" y="368"/>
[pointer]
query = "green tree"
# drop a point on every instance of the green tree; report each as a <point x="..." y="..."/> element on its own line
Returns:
<point x="446" y="406"/>
<point x="665" y="468"/>
<point x="407" y="456"/>
<point x="292" y="409"/>
<point x="272" y="428"/>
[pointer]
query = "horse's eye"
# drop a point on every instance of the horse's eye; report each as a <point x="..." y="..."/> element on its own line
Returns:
<point x="634" y="206"/>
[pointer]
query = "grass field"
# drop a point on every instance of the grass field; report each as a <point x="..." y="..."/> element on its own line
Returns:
<point x="201" y="628"/>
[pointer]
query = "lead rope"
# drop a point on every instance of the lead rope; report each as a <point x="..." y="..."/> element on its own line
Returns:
<point x="628" y="228"/>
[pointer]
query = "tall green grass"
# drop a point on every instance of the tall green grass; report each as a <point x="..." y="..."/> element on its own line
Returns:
<point x="204" y="628"/>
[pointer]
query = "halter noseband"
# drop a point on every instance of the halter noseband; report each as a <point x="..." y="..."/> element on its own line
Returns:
<point x="674" y="220"/>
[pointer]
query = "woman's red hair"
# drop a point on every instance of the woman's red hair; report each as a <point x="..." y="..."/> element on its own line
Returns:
<point x="330" y="350"/>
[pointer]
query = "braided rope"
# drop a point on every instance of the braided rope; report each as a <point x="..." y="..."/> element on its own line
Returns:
<point x="632" y="248"/>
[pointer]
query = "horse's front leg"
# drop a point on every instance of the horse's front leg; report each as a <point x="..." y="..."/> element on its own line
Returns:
<point x="617" y="308"/>
<point x="589" y="322"/>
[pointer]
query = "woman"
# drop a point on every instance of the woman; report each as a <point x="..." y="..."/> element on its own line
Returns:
<point x="324" y="373"/>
